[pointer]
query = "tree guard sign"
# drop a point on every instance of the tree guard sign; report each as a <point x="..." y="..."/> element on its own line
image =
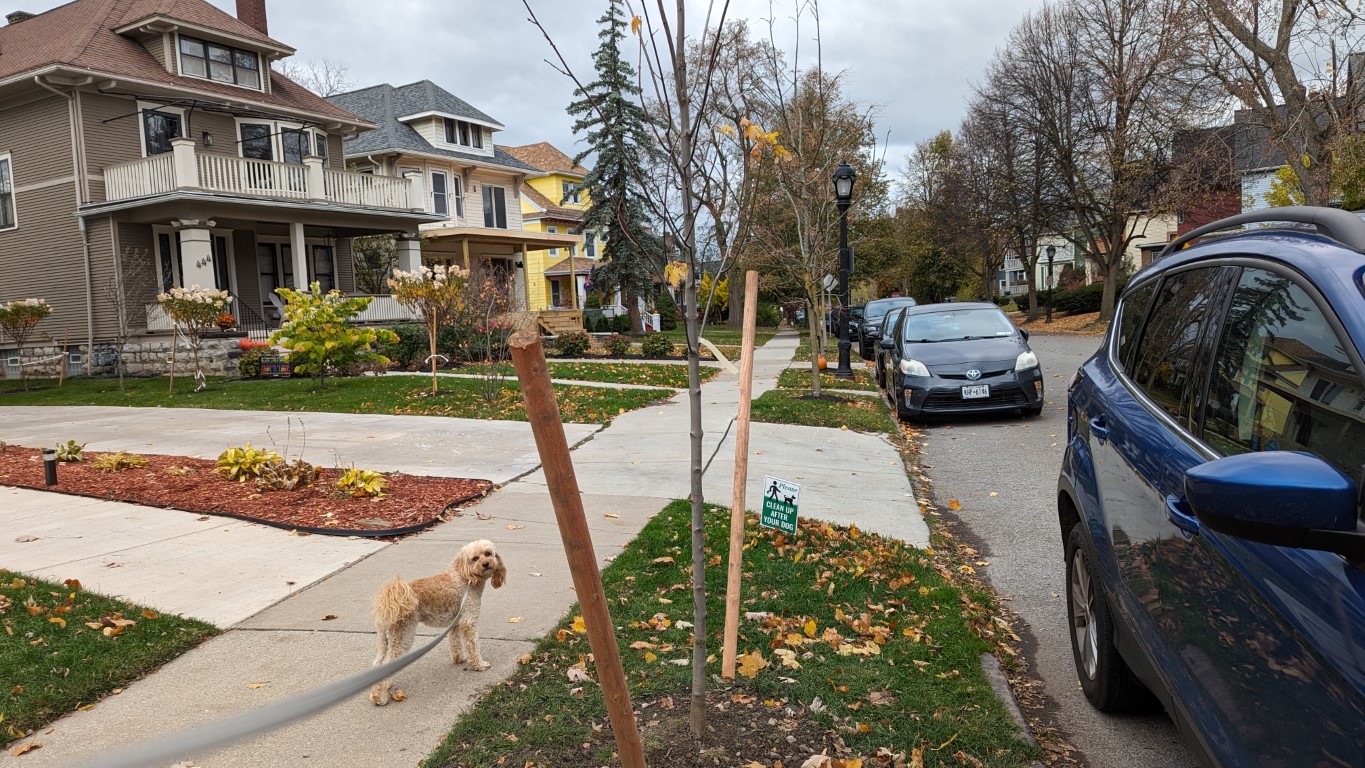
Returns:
<point x="779" y="504"/>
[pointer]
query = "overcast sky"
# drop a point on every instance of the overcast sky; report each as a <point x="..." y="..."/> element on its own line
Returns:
<point x="915" y="60"/>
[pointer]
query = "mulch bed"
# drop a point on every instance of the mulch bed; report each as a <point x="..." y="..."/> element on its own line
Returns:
<point x="409" y="503"/>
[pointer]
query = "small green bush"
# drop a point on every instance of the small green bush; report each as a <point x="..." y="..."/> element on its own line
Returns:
<point x="593" y="301"/>
<point x="572" y="343"/>
<point x="1087" y="298"/>
<point x="617" y="345"/>
<point x="620" y="324"/>
<point x="411" y="347"/>
<point x="656" y="345"/>
<point x="767" y="315"/>
<point x="69" y="452"/>
<point x="117" y="462"/>
<point x="667" y="309"/>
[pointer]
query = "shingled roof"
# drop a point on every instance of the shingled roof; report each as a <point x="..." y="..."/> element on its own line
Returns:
<point x="80" y="35"/>
<point x="384" y="104"/>
<point x="550" y="208"/>
<point x="547" y="157"/>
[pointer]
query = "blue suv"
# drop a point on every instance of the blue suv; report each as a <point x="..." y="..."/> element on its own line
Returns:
<point x="1210" y="494"/>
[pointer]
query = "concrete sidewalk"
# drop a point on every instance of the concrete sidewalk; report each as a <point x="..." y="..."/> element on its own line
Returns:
<point x="628" y="471"/>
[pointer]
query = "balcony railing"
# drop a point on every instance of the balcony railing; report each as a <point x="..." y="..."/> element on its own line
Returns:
<point x="184" y="169"/>
<point x="385" y="309"/>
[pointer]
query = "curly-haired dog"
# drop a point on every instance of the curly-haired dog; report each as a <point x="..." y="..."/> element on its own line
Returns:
<point x="434" y="600"/>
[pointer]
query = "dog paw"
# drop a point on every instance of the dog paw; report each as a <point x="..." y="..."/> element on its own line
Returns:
<point x="379" y="697"/>
<point x="479" y="667"/>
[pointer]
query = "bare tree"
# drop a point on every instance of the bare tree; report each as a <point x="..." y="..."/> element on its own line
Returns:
<point x="323" y="76"/>
<point x="374" y="257"/>
<point x="133" y="283"/>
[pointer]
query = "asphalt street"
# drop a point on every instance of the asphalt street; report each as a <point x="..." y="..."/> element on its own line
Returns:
<point x="1003" y="471"/>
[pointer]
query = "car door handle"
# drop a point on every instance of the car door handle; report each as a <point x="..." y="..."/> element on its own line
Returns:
<point x="1177" y="514"/>
<point x="1100" y="429"/>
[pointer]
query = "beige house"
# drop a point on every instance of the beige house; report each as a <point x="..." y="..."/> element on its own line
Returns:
<point x="473" y="186"/>
<point x="158" y="127"/>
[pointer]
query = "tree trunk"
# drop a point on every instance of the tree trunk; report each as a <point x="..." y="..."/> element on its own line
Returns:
<point x="1111" y="285"/>
<point x="736" y="319"/>
<point x="632" y="302"/>
<point x="431" y="337"/>
<point x="813" y="324"/>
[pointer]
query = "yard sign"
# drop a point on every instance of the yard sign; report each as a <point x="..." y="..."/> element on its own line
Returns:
<point x="779" y="504"/>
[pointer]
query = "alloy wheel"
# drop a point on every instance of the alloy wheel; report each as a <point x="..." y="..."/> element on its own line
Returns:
<point x="1085" y="635"/>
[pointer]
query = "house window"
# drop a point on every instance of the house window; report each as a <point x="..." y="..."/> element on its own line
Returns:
<point x="296" y="144"/>
<point x="464" y="134"/>
<point x="494" y="207"/>
<point x="589" y="245"/>
<point x="440" y="195"/>
<point x="457" y="191"/>
<point x="219" y="63"/>
<point x="257" y="141"/>
<point x="7" y="218"/>
<point x="553" y="231"/>
<point x="556" y="294"/>
<point x="570" y="192"/>
<point x="323" y="267"/>
<point x="158" y="128"/>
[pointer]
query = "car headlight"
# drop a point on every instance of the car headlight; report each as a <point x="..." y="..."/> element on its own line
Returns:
<point x="1026" y="361"/>
<point x="909" y="367"/>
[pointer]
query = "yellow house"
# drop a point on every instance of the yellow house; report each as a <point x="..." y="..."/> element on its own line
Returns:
<point x="550" y="205"/>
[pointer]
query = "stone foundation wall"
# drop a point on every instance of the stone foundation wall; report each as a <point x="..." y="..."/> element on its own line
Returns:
<point x="141" y="357"/>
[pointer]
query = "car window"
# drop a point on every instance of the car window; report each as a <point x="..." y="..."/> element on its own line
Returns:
<point x="956" y="324"/>
<point x="1282" y="379"/>
<point x="1132" y="311"/>
<point x="1164" y="361"/>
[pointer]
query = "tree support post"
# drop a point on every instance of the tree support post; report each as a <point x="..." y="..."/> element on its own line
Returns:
<point x="543" y="413"/>
<point x="735" y="564"/>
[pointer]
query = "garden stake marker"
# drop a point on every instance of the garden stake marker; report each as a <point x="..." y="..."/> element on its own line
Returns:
<point x="543" y="413"/>
<point x="746" y="395"/>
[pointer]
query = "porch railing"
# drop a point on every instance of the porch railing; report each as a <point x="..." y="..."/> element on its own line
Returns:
<point x="385" y="309"/>
<point x="185" y="169"/>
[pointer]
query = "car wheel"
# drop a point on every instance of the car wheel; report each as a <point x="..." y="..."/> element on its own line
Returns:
<point x="1033" y="413"/>
<point x="1105" y="677"/>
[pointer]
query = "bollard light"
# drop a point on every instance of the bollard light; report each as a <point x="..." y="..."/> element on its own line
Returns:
<point x="49" y="466"/>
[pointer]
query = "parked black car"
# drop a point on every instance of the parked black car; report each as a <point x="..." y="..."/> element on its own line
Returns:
<point x="880" y="351"/>
<point x="874" y="313"/>
<point x="960" y="358"/>
<point x="854" y="322"/>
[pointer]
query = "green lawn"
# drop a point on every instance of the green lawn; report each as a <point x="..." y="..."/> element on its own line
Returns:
<point x="51" y="662"/>
<point x="408" y="395"/>
<point x="793" y="406"/>
<point x="647" y="374"/>
<point x="875" y="629"/>
<point x="723" y="335"/>
<point x="798" y="377"/>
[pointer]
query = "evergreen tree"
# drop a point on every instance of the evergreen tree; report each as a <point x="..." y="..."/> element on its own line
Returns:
<point x="617" y="133"/>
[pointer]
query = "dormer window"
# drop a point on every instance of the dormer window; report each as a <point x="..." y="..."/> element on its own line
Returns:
<point x="464" y="134"/>
<point x="220" y="63"/>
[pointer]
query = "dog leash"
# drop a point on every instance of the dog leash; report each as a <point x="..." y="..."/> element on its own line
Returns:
<point x="267" y="718"/>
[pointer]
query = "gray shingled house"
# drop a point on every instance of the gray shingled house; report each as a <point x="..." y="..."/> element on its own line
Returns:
<point x="158" y="126"/>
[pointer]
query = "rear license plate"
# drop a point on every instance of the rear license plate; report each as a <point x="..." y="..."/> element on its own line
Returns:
<point x="976" y="391"/>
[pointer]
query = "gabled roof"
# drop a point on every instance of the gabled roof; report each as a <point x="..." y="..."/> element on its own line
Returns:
<point x="425" y="97"/>
<point x="383" y="104"/>
<point x="550" y="209"/>
<point x="80" y="35"/>
<point x="581" y="266"/>
<point x="547" y="157"/>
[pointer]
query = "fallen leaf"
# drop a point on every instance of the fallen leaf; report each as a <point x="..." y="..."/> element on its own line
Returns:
<point x="514" y="526"/>
<point x="578" y="625"/>
<point x="577" y="674"/>
<point x="995" y="493"/>
<point x="515" y="620"/>
<point x="25" y="540"/>
<point x="257" y="685"/>
<point x="525" y="658"/>
<point x="59" y="621"/>
<point x="663" y="560"/>
<point x="809" y="628"/>
<point x="72" y="583"/>
<point x="328" y="617"/>
<point x="146" y="614"/>
<point x="954" y="504"/>
<point x="750" y="663"/>
<point x="651" y="657"/>
<point x="610" y="514"/>
<point x="22" y="748"/>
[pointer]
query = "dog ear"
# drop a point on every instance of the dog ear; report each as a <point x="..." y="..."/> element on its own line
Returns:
<point x="464" y="568"/>
<point x="499" y="572"/>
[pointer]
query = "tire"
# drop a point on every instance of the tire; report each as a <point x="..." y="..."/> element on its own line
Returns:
<point x="1033" y="413"/>
<point x="1107" y="681"/>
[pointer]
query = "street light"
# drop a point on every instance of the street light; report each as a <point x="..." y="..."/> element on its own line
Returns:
<point x="844" y="176"/>
<point x="1051" y="251"/>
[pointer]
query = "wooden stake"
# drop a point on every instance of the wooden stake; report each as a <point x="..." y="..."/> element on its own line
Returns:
<point x="746" y="393"/>
<point x="543" y="412"/>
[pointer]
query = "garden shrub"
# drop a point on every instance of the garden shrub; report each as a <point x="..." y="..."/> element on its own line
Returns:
<point x="656" y="345"/>
<point x="572" y="343"/>
<point x="593" y="301"/>
<point x="1088" y="298"/>
<point x="617" y="345"/>
<point x="117" y="462"/>
<point x="410" y="349"/>
<point x="319" y="332"/>
<point x="1001" y="301"/>
<point x="667" y="309"/>
<point x="71" y="451"/>
<point x="361" y="482"/>
<point x="620" y="324"/>
<point x="453" y="341"/>
<point x="249" y="364"/>
<point x="767" y="315"/>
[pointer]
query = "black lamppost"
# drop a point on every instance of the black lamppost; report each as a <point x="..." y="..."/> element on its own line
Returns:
<point x="844" y="176"/>
<point x="1051" y="251"/>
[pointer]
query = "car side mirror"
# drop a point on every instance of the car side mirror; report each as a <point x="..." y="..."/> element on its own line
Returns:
<point x="1024" y="333"/>
<point x="888" y="344"/>
<point x="1282" y="498"/>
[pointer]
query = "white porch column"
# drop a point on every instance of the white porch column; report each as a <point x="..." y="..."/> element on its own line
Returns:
<point x="186" y="167"/>
<point x="519" y="280"/>
<point x="409" y="253"/>
<point x="196" y="254"/>
<point x="317" y="182"/>
<point x="299" y="250"/>
<point x="417" y="191"/>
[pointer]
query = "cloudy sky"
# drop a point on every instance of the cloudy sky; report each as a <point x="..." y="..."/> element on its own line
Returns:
<point x="915" y="60"/>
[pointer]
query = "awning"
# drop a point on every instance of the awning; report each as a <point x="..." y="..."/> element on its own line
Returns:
<point x="563" y="268"/>
<point x="521" y="239"/>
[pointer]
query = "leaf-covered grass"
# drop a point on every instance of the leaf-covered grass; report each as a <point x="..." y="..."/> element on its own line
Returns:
<point x="790" y="406"/>
<point x="798" y="377"/>
<point x="881" y="633"/>
<point x="408" y="395"/>
<point x="723" y="335"/>
<point x="51" y="662"/>
<point x="646" y="374"/>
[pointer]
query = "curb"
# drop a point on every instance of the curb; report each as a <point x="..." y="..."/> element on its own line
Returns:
<point x="996" y="675"/>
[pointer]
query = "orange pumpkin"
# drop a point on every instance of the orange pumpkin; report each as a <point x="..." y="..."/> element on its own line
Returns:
<point x="823" y="362"/>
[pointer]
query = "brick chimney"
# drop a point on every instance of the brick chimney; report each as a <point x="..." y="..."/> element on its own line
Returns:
<point x="252" y="13"/>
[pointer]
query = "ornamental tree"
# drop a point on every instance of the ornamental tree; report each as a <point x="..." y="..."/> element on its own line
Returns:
<point x="194" y="311"/>
<point x="320" y="333"/>
<point x="435" y="295"/>
<point x="18" y="318"/>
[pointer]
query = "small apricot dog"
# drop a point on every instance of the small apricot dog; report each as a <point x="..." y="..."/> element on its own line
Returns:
<point x="400" y="605"/>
